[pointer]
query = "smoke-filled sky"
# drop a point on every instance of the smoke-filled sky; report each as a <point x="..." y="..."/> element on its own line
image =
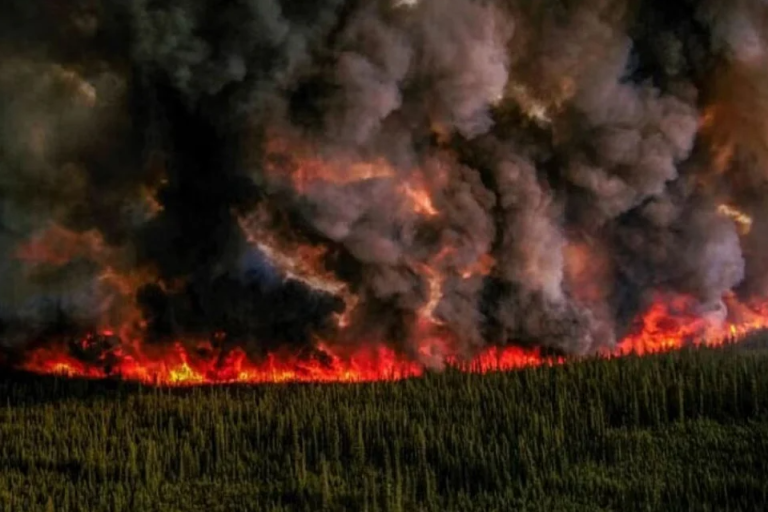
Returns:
<point x="484" y="172"/>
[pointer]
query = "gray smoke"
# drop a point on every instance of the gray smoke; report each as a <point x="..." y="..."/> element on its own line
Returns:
<point x="494" y="171"/>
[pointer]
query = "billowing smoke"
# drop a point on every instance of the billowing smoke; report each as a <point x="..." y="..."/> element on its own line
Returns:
<point x="437" y="176"/>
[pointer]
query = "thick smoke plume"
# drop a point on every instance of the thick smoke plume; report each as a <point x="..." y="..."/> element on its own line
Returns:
<point x="434" y="175"/>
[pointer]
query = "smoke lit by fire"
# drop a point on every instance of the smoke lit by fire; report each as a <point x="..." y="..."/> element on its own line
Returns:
<point x="661" y="329"/>
<point x="265" y="191"/>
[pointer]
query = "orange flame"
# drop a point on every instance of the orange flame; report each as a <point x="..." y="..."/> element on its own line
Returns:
<point x="181" y="366"/>
<point x="669" y="324"/>
<point x="304" y="167"/>
<point x="672" y="323"/>
<point x="420" y="199"/>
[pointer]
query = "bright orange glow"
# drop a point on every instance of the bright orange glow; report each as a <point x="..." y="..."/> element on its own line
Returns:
<point x="305" y="167"/>
<point x="668" y="324"/>
<point x="420" y="199"/>
<point x="179" y="365"/>
<point x="672" y="324"/>
<point x="742" y="220"/>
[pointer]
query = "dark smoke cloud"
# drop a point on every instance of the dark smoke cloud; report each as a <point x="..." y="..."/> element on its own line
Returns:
<point x="489" y="171"/>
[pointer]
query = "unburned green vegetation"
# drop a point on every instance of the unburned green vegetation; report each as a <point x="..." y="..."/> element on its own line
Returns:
<point x="686" y="431"/>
